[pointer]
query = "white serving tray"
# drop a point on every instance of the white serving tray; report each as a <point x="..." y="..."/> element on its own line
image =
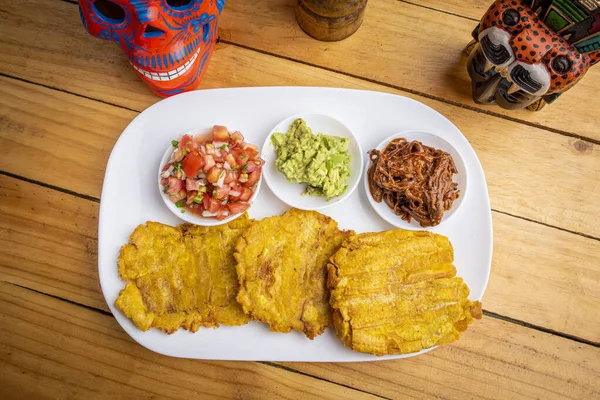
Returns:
<point x="130" y="198"/>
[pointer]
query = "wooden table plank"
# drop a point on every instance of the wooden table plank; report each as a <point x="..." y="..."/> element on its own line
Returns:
<point x="568" y="206"/>
<point x="65" y="149"/>
<point x="48" y="242"/>
<point x="58" y="52"/>
<point x="551" y="189"/>
<point x="493" y="360"/>
<point x="403" y="45"/>
<point x="540" y="275"/>
<point x="469" y="9"/>
<point x="51" y="348"/>
<point x="76" y="349"/>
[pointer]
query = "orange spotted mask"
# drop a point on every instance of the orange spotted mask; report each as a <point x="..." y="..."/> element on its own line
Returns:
<point x="531" y="51"/>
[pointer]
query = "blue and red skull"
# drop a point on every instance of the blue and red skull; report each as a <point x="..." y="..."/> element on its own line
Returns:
<point x="528" y="52"/>
<point x="168" y="42"/>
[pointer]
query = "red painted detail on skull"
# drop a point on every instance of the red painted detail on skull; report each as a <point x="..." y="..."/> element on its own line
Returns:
<point x="168" y="46"/>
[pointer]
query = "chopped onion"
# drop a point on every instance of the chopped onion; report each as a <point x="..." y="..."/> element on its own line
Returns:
<point x="166" y="174"/>
<point x="219" y="144"/>
<point x="202" y="176"/>
<point x="224" y="202"/>
<point x="227" y="166"/>
<point x="177" y="155"/>
<point x="242" y="180"/>
<point x="207" y="213"/>
<point x="221" y="179"/>
<point x="235" y="193"/>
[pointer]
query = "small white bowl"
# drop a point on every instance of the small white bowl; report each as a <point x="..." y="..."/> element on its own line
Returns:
<point x="187" y="215"/>
<point x="431" y="140"/>
<point x="291" y="192"/>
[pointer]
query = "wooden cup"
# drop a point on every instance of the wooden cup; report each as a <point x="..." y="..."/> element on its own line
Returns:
<point x="330" y="20"/>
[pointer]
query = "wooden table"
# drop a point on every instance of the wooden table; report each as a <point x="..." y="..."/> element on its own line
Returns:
<point x="66" y="97"/>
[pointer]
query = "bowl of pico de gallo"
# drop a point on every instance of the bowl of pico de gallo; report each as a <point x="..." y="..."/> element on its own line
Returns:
<point x="210" y="177"/>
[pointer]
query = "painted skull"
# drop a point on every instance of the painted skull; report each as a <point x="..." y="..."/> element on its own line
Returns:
<point x="168" y="42"/>
<point x="531" y="51"/>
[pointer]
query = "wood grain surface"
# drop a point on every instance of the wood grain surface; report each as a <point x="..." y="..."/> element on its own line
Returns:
<point x="468" y="9"/>
<point x="513" y="169"/>
<point x="67" y="351"/>
<point x="65" y="97"/>
<point x="50" y="245"/>
<point x="74" y="348"/>
<point x="505" y="147"/>
<point x="391" y="47"/>
<point x="403" y="45"/>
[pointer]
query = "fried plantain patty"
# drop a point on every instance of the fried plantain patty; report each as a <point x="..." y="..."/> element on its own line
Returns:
<point x="282" y="270"/>
<point x="181" y="276"/>
<point x="396" y="292"/>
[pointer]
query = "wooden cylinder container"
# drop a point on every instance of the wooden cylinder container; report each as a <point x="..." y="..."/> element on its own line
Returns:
<point x="330" y="20"/>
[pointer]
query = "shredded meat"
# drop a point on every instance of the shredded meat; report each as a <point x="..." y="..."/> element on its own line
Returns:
<point x="414" y="180"/>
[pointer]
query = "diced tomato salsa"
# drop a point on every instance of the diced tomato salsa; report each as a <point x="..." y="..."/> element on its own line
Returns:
<point x="213" y="178"/>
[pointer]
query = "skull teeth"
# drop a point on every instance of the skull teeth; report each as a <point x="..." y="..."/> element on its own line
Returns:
<point x="169" y="75"/>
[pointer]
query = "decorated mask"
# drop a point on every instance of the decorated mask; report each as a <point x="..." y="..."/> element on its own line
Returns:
<point x="168" y="42"/>
<point x="527" y="52"/>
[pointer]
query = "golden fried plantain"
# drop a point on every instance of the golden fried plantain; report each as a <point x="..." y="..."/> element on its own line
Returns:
<point x="282" y="270"/>
<point x="181" y="276"/>
<point x="396" y="292"/>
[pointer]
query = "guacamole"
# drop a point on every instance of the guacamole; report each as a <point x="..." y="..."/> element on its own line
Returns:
<point x="320" y="161"/>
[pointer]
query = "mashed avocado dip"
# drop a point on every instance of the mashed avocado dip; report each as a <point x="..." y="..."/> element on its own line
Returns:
<point x="320" y="161"/>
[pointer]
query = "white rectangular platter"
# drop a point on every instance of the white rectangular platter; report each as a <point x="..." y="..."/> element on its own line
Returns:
<point x="130" y="197"/>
